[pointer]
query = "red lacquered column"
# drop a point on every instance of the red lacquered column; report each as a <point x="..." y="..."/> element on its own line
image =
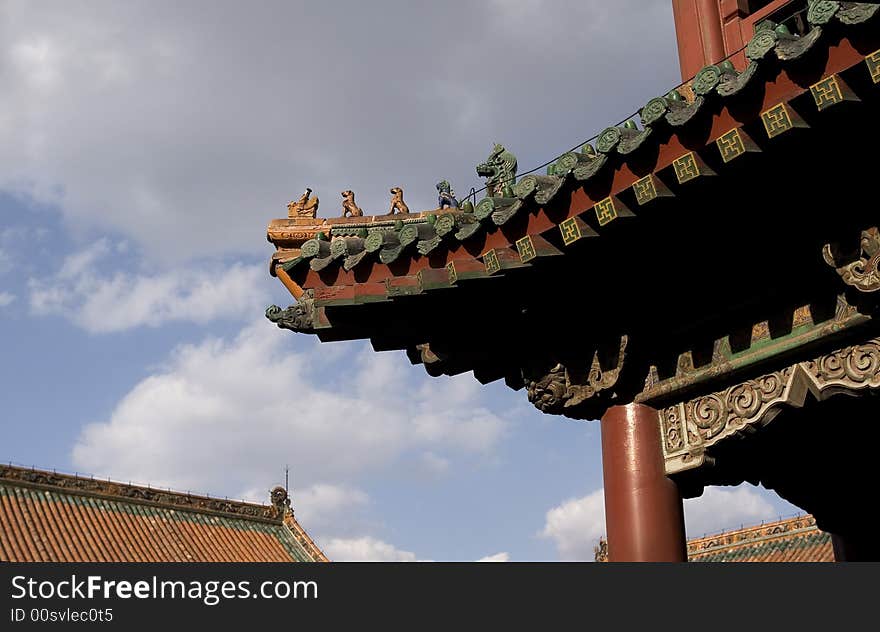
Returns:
<point x="643" y="509"/>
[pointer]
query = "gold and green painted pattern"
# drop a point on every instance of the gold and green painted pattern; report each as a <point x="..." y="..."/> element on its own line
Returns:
<point x="686" y="168"/>
<point x="491" y="261"/>
<point x="873" y="63"/>
<point x="731" y="145"/>
<point x="526" y="249"/>
<point x="606" y="211"/>
<point x="826" y="92"/>
<point x="570" y="230"/>
<point x="777" y="120"/>
<point x="645" y="189"/>
<point x="453" y="275"/>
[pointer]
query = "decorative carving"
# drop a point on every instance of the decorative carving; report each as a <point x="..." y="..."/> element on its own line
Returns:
<point x="562" y="388"/>
<point x="856" y="12"/>
<point x="600" y="551"/>
<point x="298" y="317"/>
<point x="821" y="11"/>
<point x="755" y="534"/>
<point x="681" y="112"/>
<point x="348" y="205"/>
<point x="499" y="171"/>
<point x="654" y="111"/>
<point x="707" y="79"/>
<point x="762" y="43"/>
<point x="446" y="196"/>
<point x="303" y="207"/>
<point x="397" y="203"/>
<point x="732" y="83"/>
<point x="280" y="500"/>
<point x="857" y="266"/>
<point x="710" y="418"/>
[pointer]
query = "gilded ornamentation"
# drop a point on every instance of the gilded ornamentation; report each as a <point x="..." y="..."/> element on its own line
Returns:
<point x="526" y="249"/>
<point x="827" y="92"/>
<point x="857" y="267"/>
<point x="872" y="61"/>
<point x="731" y="145"/>
<point x="686" y="168"/>
<point x="570" y="230"/>
<point x="777" y="120"/>
<point x="689" y="428"/>
<point x="305" y="206"/>
<point x="645" y="189"/>
<point x="605" y="211"/>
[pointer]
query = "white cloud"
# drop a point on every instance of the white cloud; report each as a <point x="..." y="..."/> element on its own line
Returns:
<point x="6" y="298"/>
<point x="185" y="134"/>
<point x="365" y="549"/>
<point x="102" y="302"/>
<point x="577" y="524"/>
<point x="725" y="509"/>
<point x="227" y="415"/>
<point x="498" y="557"/>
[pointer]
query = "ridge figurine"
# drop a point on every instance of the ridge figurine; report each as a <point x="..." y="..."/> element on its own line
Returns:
<point x="446" y="196"/>
<point x="348" y="205"/>
<point x="397" y="203"/>
<point x="303" y="207"/>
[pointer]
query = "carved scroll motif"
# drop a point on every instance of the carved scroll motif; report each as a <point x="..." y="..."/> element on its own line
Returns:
<point x="690" y="427"/>
<point x="858" y="267"/>
<point x="563" y="388"/>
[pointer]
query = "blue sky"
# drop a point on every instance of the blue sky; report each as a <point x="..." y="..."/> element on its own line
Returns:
<point x="146" y="146"/>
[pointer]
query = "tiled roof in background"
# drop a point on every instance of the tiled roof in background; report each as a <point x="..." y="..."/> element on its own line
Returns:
<point x="792" y="540"/>
<point x="50" y="517"/>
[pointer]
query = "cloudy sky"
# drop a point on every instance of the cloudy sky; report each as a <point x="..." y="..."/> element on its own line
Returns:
<point x="143" y="148"/>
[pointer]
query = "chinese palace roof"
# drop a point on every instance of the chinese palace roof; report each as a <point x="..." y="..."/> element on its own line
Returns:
<point x="693" y="210"/>
<point x="792" y="540"/>
<point x="50" y="517"/>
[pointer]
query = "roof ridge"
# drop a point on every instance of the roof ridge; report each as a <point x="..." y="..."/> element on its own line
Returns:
<point x="146" y="495"/>
<point x="303" y="538"/>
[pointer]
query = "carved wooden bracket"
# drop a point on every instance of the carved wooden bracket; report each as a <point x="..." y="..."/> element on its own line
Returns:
<point x="857" y="264"/>
<point x="690" y="427"/>
<point x="564" y="388"/>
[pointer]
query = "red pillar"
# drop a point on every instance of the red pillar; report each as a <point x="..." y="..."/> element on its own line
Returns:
<point x="643" y="510"/>
<point x="700" y="34"/>
<point x="711" y="31"/>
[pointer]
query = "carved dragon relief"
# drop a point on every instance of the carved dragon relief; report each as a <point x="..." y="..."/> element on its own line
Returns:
<point x="299" y="317"/>
<point x="563" y="388"/>
<point x="858" y="264"/>
<point x="689" y="428"/>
